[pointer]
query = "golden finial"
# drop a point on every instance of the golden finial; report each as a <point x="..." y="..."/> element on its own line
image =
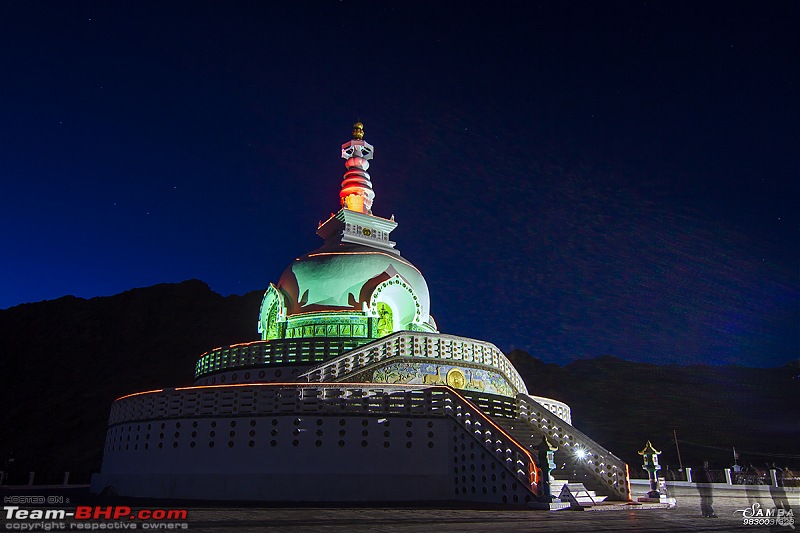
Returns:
<point x="358" y="131"/>
<point x="649" y="449"/>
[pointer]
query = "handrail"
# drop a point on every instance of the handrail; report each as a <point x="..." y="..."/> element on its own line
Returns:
<point x="408" y="344"/>
<point x="604" y="466"/>
<point x="533" y="471"/>
<point x="342" y="398"/>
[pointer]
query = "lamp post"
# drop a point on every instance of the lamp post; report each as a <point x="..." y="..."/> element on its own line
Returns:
<point x="650" y="457"/>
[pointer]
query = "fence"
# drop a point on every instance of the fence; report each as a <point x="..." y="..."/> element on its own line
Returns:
<point x="775" y="478"/>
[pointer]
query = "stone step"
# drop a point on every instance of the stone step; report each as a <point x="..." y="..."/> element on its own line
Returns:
<point x="530" y="438"/>
<point x="558" y="484"/>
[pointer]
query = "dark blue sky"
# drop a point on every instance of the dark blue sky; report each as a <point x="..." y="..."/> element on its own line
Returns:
<point x="573" y="179"/>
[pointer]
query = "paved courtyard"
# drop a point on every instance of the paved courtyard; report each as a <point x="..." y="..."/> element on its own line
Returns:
<point x="324" y="519"/>
<point x="686" y="517"/>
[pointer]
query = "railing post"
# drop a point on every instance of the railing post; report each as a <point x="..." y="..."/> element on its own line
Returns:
<point x="728" y="477"/>
<point x="30" y="477"/>
<point x="66" y="478"/>
<point x="2" y="477"/>
<point x="688" y="473"/>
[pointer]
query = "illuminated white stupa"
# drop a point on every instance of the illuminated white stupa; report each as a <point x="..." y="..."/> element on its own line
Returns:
<point x="351" y="394"/>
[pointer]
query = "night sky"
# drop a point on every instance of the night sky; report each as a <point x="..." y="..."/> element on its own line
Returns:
<point x="573" y="179"/>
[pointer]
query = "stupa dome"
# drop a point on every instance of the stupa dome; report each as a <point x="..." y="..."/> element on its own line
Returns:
<point x="355" y="277"/>
<point x="356" y="285"/>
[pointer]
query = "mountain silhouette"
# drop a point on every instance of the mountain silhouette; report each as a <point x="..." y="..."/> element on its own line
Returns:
<point x="65" y="361"/>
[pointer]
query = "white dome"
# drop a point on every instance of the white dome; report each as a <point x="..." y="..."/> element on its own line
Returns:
<point x="354" y="277"/>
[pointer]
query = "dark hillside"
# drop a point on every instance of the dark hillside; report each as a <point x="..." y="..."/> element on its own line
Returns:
<point x="63" y="362"/>
<point x="621" y="404"/>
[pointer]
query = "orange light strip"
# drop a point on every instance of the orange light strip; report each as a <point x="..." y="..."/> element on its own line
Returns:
<point x="628" y="482"/>
<point x="326" y="221"/>
<point x="138" y="393"/>
<point x="368" y="253"/>
<point x="247" y="343"/>
<point x="286" y="384"/>
<point x="480" y="413"/>
<point x="229" y="385"/>
<point x="306" y="385"/>
<point x="499" y="429"/>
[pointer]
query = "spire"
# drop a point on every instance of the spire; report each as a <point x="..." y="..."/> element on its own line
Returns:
<point x="357" y="194"/>
<point x="355" y="223"/>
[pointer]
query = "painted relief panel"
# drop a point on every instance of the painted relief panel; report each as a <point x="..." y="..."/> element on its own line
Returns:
<point x="458" y="377"/>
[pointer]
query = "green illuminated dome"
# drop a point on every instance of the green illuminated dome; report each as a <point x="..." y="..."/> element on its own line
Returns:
<point x="356" y="285"/>
<point x="345" y="277"/>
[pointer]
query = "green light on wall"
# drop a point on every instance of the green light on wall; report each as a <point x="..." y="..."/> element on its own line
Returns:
<point x="385" y="319"/>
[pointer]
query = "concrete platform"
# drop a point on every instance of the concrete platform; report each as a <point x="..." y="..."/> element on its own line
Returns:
<point x="617" y="518"/>
<point x="604" y="517"/>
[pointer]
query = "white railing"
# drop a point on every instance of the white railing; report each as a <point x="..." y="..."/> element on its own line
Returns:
<point x="330" y="399"/>
<point x="605" y="467"/>
<point x="276" y="351"/>
<point x="443" y="348"/>
<point x="560" y="409"/>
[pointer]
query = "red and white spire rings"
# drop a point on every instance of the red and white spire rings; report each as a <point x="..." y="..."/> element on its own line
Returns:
<point x="357" y="194"/>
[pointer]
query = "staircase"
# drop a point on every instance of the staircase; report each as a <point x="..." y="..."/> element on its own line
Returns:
<point x="529" y="438"/>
